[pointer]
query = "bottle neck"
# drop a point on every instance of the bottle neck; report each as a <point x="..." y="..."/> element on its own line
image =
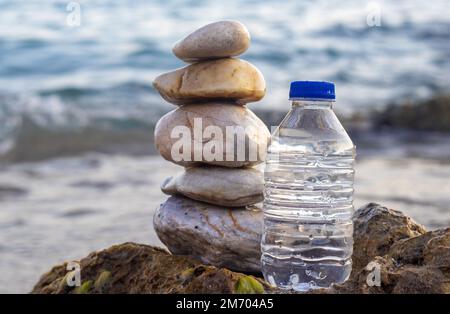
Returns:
<point x="308" y="103"/>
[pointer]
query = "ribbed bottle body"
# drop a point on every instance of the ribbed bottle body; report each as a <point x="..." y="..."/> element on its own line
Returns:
<point x="308" y="232"/>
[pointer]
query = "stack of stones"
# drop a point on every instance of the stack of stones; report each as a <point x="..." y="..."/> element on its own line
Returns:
<point x="211" y="214"/>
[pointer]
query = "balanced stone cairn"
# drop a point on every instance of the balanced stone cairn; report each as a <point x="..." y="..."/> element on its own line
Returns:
<point x="211" y="214"/>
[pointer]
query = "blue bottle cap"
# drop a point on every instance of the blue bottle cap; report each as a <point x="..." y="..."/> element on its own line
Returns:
<point x="312" y="90"/>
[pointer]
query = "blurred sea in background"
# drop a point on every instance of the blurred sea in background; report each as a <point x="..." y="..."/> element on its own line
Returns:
<point x="77" y="109"/>
<point x="57" y="81"/>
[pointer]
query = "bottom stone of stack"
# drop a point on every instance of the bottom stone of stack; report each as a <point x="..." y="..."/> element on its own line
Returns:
<point x="215" y="235"/>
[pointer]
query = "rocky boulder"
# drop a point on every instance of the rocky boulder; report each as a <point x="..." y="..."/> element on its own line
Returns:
<point x="419" y="264"/>
<point x="392" y="254"/>
<point x="376" y="229"/>
<point x="138" y="268"/>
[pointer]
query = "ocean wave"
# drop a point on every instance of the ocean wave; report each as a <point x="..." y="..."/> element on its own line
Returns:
<point x="33" y="142"/>
<point x="90" y="86"/>
<point x="36" y="127"/>
<point x="39" y="128"/>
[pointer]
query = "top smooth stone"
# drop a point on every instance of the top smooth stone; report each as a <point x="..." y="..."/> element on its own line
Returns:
<point x="216" y="40"/>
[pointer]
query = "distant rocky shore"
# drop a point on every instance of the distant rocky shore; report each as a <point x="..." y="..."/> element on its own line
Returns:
<point x="392" y="254"/>
<point x="412" y="129"/>
<point x="34" y="142"/>
<point x="432" y="114"/>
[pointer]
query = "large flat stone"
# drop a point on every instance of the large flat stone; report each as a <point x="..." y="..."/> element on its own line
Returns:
<point x="216" y="114"/>
<point x="220" y="236"/>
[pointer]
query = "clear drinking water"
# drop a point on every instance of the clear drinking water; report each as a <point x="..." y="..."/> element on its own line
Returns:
<point x="308" y="232"/>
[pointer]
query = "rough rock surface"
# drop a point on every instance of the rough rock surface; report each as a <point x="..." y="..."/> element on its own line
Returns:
<point x="176" y="222"/>
<point x="220" y="115"/>
<point x="412" y="261"/>
<point x="220" y="236"/>
<point x="376" y="229"/>
<point x="215" y="40"/>
<point x="218" y="185"/>
<point x="419" y="264"/>
<point x="229" y="78"/>
<point x="138" y="268"/>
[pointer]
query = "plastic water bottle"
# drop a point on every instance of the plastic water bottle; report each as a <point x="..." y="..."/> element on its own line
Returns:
<point x="308" y="203"/>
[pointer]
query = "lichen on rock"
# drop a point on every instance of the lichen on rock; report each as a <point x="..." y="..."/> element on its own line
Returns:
<point x="138" y="268"/>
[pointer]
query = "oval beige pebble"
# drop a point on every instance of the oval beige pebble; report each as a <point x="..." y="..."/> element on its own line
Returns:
<point x="218" y="185"/>
<point x="215" y="40"/>
<point x="176" y="140"/>
<point x="229" y="78"/>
